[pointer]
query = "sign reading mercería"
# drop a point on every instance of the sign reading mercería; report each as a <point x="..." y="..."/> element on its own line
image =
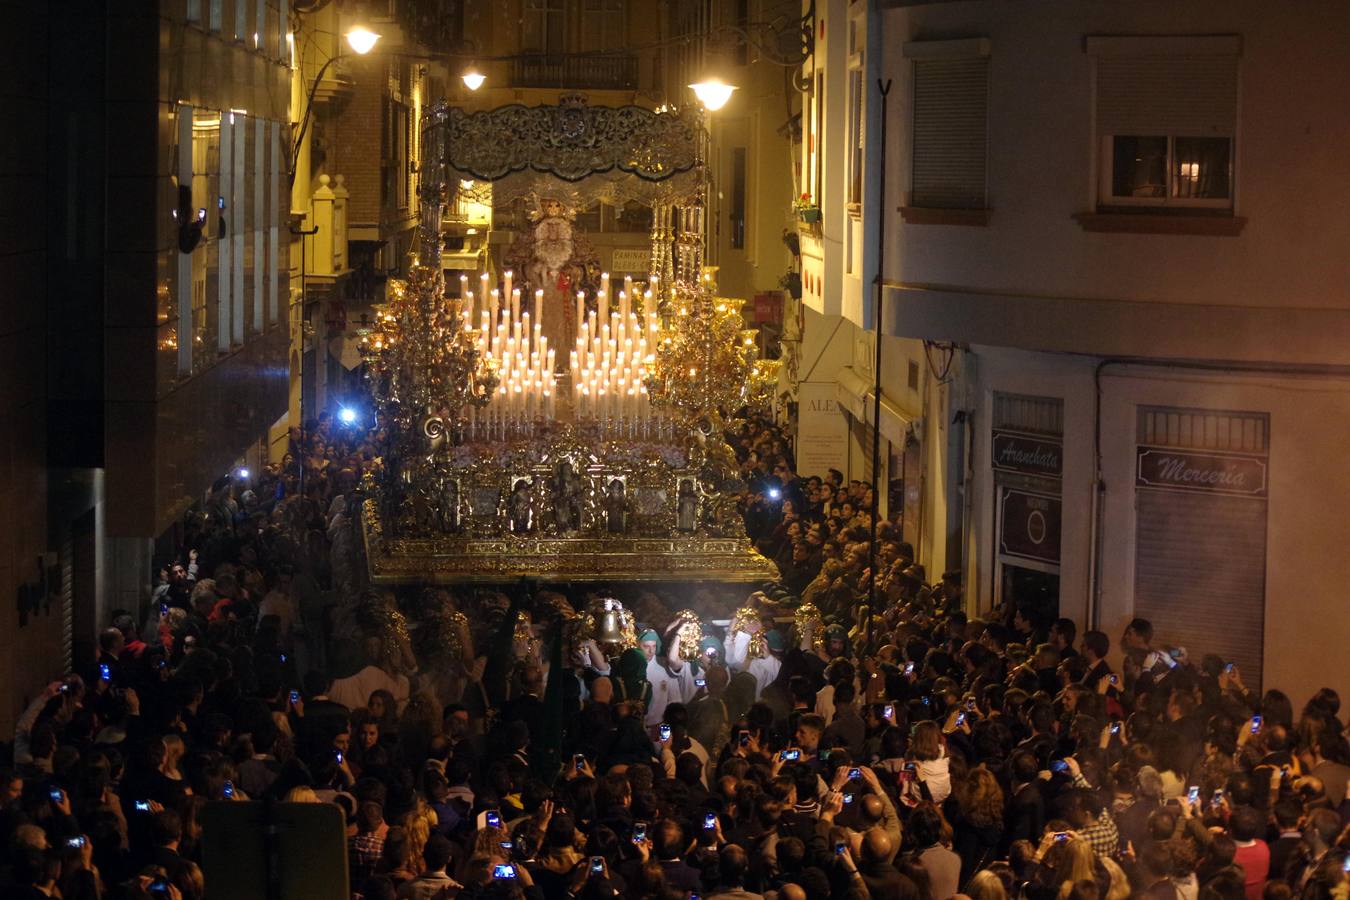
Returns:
<point x="1189" y="470"/>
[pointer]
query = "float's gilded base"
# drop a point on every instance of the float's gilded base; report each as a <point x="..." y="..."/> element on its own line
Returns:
<point x="455" y="559"/>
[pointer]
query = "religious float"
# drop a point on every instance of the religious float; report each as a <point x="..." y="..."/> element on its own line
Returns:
<point x="545" y="422"/>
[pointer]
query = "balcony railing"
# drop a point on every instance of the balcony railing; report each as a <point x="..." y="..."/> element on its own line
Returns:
<point x="575" y="70"/>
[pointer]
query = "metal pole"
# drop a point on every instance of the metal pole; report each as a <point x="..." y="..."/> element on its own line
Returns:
<point x="885" y="89"/>
<point x="304" y="286"/>
<point x="309" y="110"/>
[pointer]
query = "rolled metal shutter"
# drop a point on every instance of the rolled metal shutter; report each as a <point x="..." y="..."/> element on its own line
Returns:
<point x="1157" y="95"/>
<point x="950" y="124"/>
<point x="1200" y="554"/>
<point x="1200" y="574"/>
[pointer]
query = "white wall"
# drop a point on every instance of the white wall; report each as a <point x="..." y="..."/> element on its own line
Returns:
<point x="825" y="257"/>
<point x="1292" y="157"/>
<point x="1307" y="566"/>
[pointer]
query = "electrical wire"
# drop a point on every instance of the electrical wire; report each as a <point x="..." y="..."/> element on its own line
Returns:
<point x="943" y="377"/>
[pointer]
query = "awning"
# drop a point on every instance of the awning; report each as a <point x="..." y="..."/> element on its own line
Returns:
<point x="856" y="395"/>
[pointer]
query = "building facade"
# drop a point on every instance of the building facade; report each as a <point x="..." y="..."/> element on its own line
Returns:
<point x="840" y="228"/>
<point x="1111" y="230"/>
<point x="150" y="359"/>
<point x="354" y="194"/>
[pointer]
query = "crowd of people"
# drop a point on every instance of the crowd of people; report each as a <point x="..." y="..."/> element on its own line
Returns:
<point x="494" y="744"/>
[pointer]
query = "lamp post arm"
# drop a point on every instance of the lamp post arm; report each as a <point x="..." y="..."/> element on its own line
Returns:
<point x="309" y="111"/>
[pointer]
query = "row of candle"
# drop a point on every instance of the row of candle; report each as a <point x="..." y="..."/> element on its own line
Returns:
<point x="511" y="338"/>
<point x="608" y="362"/>
<point x="610" y="358"/>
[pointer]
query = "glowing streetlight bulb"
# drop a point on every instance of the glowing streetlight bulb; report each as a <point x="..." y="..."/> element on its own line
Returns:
<point x="713" y="93"/>
<point x="362" y="40"/>
<point x="472" y="78"/>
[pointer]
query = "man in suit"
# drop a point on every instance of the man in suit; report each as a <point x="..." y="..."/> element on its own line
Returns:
<point x="1026" y="813"/>
<point x="166" y="830"/>
<point x="1284" y="848"/>
<point x="1095" y="647"/>
<point x="668" y="845"/>
<point x="317" y="718"/>
<point x="528" y="705"/>
<point x="880" y="875"/>
<point x="732" y="866"/>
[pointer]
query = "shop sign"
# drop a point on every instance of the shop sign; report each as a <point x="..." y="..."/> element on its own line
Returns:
<point x="768" y="308"/>
<point x="1028" y="454"/>
<point x="1211" y="473"/>
<point x="1029" y="526"/>
<point x="822" y="429"/>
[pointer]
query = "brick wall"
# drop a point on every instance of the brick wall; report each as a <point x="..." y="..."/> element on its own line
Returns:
<point x="357" y="131"/>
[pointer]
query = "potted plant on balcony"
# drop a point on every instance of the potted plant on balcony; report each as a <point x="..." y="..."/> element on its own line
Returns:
<point x="806" y="208"/>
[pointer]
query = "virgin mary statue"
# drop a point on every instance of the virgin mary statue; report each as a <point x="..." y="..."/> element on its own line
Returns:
<point x="557" y="259"/>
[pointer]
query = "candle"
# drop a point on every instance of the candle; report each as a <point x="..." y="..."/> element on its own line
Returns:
<point x="492" y="299"/>
<point x="515" y="304"/>
<point x="538" y="301"/>
<point x="604" y="283"/>
<point x="506" y="282"/>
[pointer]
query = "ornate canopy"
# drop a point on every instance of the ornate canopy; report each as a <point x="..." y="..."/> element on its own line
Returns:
<point x="575" y="151"/>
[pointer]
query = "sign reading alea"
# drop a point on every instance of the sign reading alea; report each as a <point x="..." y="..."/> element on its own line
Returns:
<point x="1190" y="470"/>
<point x="1028" y="454"/>
<point x="1030" y="525"/>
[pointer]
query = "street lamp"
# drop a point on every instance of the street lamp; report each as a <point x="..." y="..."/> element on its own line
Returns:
<point x="713" y="93"/>
<point x="361" y="39"/>
<point x="472" y="78"/>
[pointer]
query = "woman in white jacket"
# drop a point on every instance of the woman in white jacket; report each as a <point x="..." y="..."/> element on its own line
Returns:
<point x="929" y="756"/>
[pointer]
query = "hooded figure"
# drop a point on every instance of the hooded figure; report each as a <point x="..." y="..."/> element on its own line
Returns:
<point x="631" y="685"/>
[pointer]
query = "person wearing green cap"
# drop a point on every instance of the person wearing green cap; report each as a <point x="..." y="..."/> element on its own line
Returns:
<point x="710" y="651"/>
<point x="671" y="678"/>
<point x="764" y="669"/>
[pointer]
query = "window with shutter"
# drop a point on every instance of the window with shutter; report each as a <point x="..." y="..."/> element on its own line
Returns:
<point x="1166" y="120"/>
<point x="950" y="127"/>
